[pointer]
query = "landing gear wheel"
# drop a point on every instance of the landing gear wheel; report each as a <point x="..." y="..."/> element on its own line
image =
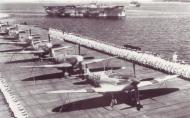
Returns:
<point x="113" y="101"/>
<point x="139" y="106"/>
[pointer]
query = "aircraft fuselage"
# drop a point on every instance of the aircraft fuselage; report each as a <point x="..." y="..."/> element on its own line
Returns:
<point x="72" y="59"/>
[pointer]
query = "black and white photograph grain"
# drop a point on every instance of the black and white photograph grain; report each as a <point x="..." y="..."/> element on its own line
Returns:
<point x="94" y="58"/>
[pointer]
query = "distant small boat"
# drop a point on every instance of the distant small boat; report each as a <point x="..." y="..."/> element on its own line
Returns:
<point x="134" y="4"/>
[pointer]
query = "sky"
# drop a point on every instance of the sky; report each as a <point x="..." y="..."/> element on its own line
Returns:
<point x="17" y="1"/>
<point x="31" y="1"/>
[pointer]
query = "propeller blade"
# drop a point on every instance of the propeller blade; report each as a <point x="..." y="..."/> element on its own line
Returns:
<point x="30" y="32"/>
<point x="49" y="39"/>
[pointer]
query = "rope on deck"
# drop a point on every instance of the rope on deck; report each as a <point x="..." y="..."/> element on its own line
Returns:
<point x="15" y="106"/>
<point x="139" y="57"/>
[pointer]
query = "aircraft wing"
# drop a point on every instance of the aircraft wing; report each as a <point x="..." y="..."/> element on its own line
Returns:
<point x="3" y="33"/>
<point x="60" y="48"/>
<point x="96" y="60"/>
<point x="72" y="91"/>
<point x="14" y="43"/>
<point x="62" y="65"/>
<point x="105" y="88"/>
<point x="156" y="80"/>
<point x="7" y="37"/>
<point x="2" y="37"/>
<point x="26" y="52"/>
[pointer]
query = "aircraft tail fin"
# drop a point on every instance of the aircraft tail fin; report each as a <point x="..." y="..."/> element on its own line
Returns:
<point x="86" y="70"/>
<point x="32" y="43"/>
<point x="52" y="51"/>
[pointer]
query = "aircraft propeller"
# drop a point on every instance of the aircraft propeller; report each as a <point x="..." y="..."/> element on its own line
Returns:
<point x="49" y="38"/>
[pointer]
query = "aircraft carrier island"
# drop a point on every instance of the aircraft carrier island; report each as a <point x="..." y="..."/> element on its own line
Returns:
<point x="92" y="8"/>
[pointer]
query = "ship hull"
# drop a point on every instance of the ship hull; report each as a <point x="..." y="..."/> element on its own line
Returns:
<point x="85" y="11"/>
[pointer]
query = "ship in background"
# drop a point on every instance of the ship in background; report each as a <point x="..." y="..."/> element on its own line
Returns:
<point x="86" y="8"/>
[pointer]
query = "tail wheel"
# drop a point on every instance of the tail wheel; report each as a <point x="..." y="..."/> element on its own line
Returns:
<point x="112" y="103"/>
<point x="113" y="100"/>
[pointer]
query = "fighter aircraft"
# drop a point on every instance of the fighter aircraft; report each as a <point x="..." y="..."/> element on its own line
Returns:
<point x="25" y="42"/>
<point x="3" y="30"/>
<point x="69" y="64"/>
<point x="108" y="83"/>
<point x="10" y="33"/>
<point x="40" y="48"/>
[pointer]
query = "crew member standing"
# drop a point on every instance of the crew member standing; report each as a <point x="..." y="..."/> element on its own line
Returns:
<point x="175" y="56"/>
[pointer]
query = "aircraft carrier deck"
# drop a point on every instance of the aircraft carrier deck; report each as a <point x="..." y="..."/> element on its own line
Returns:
<point x="170" y="100"/>
<point x="5" y="111"/>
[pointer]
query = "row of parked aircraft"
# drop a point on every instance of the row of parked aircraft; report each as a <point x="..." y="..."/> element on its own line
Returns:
<point x="103" y="82"/>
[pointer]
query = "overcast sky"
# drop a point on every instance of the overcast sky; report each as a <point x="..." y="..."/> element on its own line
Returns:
<point x="16" y="1"/>
<point x="28" y="1"/>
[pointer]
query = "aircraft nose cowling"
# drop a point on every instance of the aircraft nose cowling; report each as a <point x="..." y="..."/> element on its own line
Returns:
<point x="135" y="82"/>
<point x="17" y="32"/>
<point x="132" y="85"/>
<point x="30" y="37"/>
<point x="80" y="58"/>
